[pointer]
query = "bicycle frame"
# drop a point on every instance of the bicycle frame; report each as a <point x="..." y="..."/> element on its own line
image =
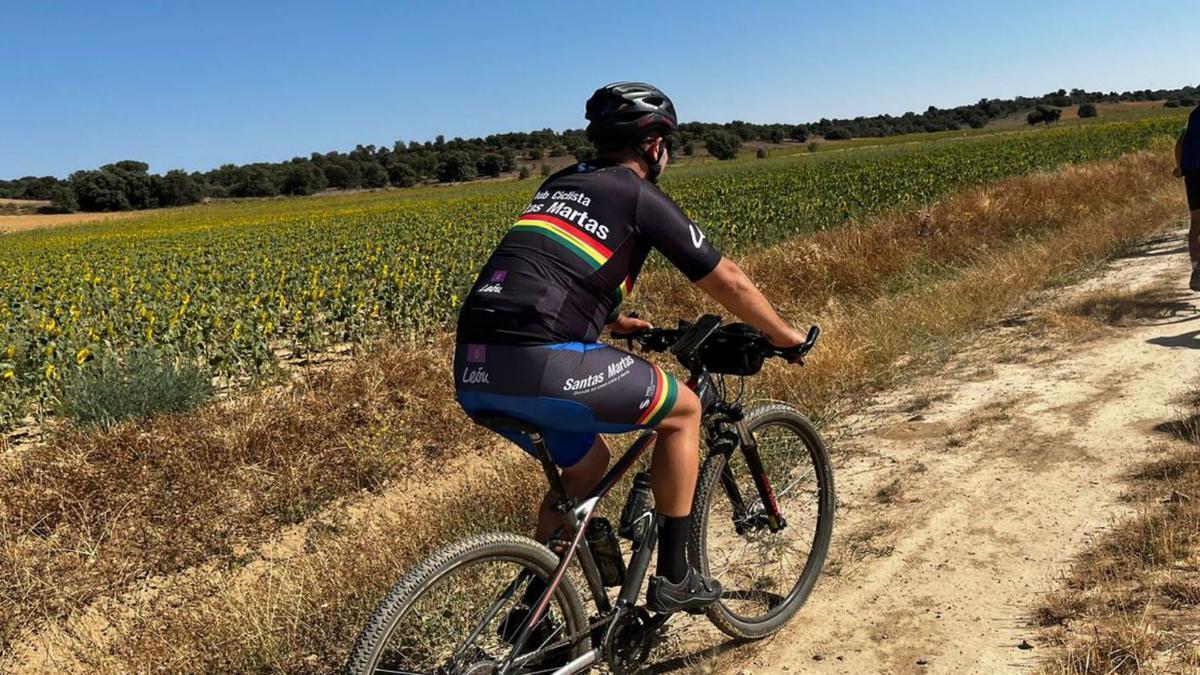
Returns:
<point x="717" y="416"/>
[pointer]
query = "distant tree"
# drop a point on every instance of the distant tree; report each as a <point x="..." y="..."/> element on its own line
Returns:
<point x="62" y="200"/>
<point x="456" y="166"/>
<point x="776" y="135"/>
<point x="743" y="130"/>
<point x="254" y="181"/>
<point x="177" y="188"/>
<point x="301" y="178"/>
<point x="402" y="174"/>
<point x="839" y="134"/>
<point x="1043" y="114"/>
<point x="337" y="176"/>
<point x="136" y="182"/>
<point x="372" y="175"/>
<point x="584" y="153"/>
<point x="536" y="153"/>
<point x="38" y="188"/>
<point x="761" y="153"/>
<point x="1171" y="103"/>
<point x="496" y="163"/>
<point x="1087" y="110"/>
<point x="722" y="144"/>
<point x="99" y="191"/>
<point x="689" y="148"/>
<point x="1187" y="101"/>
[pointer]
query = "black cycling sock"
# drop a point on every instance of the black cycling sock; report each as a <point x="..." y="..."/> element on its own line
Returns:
<point x="672" y="547"/>
<point x="533" y="591"/>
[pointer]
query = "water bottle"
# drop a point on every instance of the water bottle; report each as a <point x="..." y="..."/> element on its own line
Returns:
<point x="606" y="551"/>
<point x="633" y="524"/>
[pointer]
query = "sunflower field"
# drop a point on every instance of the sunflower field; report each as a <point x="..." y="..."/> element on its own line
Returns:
<point x="234" y="287"/>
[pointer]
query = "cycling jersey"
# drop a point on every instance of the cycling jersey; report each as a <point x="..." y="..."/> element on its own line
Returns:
<point x="573" y="256"/>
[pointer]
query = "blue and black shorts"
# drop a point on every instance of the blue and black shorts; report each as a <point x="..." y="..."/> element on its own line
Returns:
<point x="572" y="391"/>
<point x="1191" y="181"/>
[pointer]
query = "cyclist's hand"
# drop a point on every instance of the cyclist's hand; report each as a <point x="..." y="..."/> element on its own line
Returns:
<point x="628" y="324"/>
<point x="792" y="338"/>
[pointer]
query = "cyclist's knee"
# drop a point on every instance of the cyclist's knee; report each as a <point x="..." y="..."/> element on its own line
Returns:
<point x="685" y="412"/>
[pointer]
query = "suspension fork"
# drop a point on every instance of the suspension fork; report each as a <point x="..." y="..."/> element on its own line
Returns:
<point x="775" y="519"/>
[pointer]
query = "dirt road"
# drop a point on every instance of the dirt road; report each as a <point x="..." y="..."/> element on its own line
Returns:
<point x="963" y="496"/>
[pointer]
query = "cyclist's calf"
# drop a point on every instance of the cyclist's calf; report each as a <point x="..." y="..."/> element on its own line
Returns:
<point x="676" y="461"/>
<point x="577" y="481"/>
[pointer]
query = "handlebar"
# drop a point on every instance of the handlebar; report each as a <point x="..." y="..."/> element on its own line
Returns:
<point x="687" y="338"/>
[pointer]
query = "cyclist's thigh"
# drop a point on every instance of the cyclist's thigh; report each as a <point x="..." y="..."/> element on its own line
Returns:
<point x="622" y="391"/>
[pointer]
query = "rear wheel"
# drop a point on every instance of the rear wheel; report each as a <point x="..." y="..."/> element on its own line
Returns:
<point x="766" y="575"/>
<point x="447" y="616"/>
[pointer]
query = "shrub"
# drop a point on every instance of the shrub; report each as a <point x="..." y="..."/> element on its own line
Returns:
<point x="839" y="134"/>
<point x="799" y="134"/>
<point x="141" y="384"/>
<point x="689" y="148"/>
<point x="456" y="167"/>
<point x="812" y="147"/>
<point x="722" y="144"/>
<point x="523" y="172"/>
<point x="762" y="153"/>
<point x="1044" y="114"/>
<point x="584" y="153"/>
<point x="1088" y="110"/>
<point x="402" y="174"/>
<point x="545" y="170"/>
<point x="1171" y="103"/>
<point x="62" y="200"/>
<point x="776" y="135"/>
<point x="495" y="163"/>
<point x="1187" y="102"/>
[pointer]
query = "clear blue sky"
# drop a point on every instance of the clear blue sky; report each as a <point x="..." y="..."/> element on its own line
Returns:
<point x="194" y="85"/>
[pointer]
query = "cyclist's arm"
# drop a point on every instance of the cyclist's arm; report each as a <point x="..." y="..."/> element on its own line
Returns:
<point x="729" y="285"/>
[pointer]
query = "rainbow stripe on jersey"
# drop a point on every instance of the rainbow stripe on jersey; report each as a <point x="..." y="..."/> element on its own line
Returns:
<point x="570" y="237"/>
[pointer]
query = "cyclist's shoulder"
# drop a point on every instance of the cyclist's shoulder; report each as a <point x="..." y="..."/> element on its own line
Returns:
<point x="584" y="172"/>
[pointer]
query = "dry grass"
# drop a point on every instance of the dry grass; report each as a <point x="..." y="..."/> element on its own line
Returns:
<point x="1132" y="601"/>
<point x="91" y="513"/>
<point x="1128" y="308"/>
<point x="88" y="518"/>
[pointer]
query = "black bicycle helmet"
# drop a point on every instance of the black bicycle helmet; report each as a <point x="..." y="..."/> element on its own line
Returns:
<point x="624" y="113"/>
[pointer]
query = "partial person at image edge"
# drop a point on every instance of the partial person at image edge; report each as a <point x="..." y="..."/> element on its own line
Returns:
<point x="1187" y="166"/>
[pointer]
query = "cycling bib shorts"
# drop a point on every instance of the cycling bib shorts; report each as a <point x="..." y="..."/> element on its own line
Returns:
<point x="572" y="391"/>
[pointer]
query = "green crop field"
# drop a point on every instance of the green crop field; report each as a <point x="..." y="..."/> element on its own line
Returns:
<point x="228" y="286"/>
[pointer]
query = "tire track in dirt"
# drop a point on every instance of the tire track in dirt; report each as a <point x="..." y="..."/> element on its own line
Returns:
<point x="964" y="495"/>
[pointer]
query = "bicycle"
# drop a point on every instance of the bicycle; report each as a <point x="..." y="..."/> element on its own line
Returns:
<point x="454" y="613"/>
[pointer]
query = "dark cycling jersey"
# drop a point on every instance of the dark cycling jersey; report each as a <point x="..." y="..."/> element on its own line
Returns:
<point x="1190" y="162"/>
<point x="574" y="255"/>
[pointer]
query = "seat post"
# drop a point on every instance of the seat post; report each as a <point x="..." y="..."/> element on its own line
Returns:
<point x="553" y="475"/>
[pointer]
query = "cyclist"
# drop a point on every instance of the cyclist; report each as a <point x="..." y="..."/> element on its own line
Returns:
<point x="527" y="332"/>
<point x="1187" y="166"/>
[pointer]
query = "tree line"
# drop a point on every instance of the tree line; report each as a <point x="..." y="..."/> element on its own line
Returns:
<point x="129" y="184"/>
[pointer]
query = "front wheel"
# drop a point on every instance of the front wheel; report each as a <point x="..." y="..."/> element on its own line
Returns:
<point x="766" y="575"/>
<point x="452" y="615"/>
